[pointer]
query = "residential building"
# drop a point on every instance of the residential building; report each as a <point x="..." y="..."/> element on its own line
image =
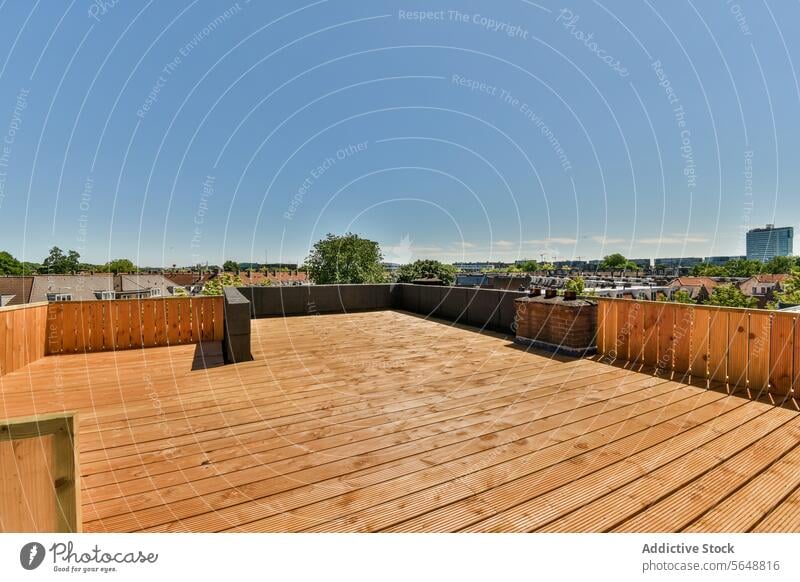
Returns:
<point x="763" y="287"/>
<point x="103" y="286"/>
<point x="766" y="243"/>
<point x="698" y="288"/>
<point x="15" y="290"/>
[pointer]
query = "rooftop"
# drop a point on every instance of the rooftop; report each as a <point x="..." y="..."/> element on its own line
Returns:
<point x="390" y="421"/>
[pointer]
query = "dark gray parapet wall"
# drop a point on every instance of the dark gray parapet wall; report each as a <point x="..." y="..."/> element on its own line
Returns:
<point x="482" y="308"/>
<point x="315" y="299"/>
<point x="236" y="341"/>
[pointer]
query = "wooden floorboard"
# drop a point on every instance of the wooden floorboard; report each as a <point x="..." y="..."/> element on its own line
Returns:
<point x="388" y="421"/>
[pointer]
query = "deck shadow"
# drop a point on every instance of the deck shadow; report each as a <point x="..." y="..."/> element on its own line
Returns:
<point x="207" y="355"/>
<point x="788" y="402"/>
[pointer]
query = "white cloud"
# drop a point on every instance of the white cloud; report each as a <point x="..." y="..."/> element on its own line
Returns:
<point x="556" y="240"/>
<point x="605" y="240"/>
<point x="504" y="243"/>
<point x="674" y="239"/>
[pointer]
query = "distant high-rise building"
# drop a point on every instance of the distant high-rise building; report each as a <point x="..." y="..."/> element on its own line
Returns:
<point x="765" y="243"/>
<point x="721" y="261"/>
<point x="676" y="262"/>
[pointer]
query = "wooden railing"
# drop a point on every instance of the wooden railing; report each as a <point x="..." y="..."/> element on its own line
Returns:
<point x="745" y="348"/>
<point x="22" y="335"/>
<point x="39" y="476"/>
<point x="93" y="326"/>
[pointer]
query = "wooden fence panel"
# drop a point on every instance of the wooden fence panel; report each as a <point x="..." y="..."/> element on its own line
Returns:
<point x="23" y="335"/>
<point x="131" y="323"/>
<point x="758" y="350"/>
<point x="742" y="347"/>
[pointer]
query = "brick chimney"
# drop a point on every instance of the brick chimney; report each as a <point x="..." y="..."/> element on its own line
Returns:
<point x="555" y="324"/>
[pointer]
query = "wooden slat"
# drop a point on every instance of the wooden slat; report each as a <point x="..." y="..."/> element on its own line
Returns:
<point x="160" y="322"/>
<point x="197" y="318"/>
<point x="684" y="322"/>
<point x="758" y="351"/>
<point x="666" y="336"/>
<point x="738" y="344"/>
<point x="602" y="314"/>
<point x="207" y="332"/>
<point x="636" y="325"/>
<point x="652" y="312"/>
<point x="623" y="336"/>
<point x="123" y="330"/>
<point x="172" y="307"/>
<point x="782" y="353"/>
<point x="718" y="345"/>
<point x="610" y="327"/>
<point x="149" y="323"/>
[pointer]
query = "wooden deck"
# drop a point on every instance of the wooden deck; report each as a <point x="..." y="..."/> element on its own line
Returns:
<point x="385" y="421"/>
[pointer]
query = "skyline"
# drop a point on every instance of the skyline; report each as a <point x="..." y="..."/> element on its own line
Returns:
<point x="174" y="133"/>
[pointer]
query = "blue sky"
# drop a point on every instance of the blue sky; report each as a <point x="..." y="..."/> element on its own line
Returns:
<point x="178" y="132"/>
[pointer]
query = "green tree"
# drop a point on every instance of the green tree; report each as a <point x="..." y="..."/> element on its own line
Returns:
<point x="230" y="266"/>
<point x="743" y="267"/>
<point x="214" y="286"/>
<point x="59" y="263"/>
<point x="791" y="290"/>
<point x="681" y="296"/>
<point x="780" y="265"/>
<point x="547" y="267"/>
<point x="345" y="259"/>
<point x="427" y="269"/>
<point x="707" y="270"/>
<point x="120" y="266"/>
<point x="576" y="284"/>
<point x="730" y="296"/>
<point x="31" y="268"/>
<point x="617" y="262"/>
<point x="9" y="265"/>
<point x="530" y="266"/>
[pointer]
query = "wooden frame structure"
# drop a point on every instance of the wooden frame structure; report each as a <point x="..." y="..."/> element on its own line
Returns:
<point x="39" y="474"/>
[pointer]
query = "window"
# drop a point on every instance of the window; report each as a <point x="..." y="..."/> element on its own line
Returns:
<point x="106" y="295"/>
<point x="155" y="292"/>
<point x="59" y="297"/>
